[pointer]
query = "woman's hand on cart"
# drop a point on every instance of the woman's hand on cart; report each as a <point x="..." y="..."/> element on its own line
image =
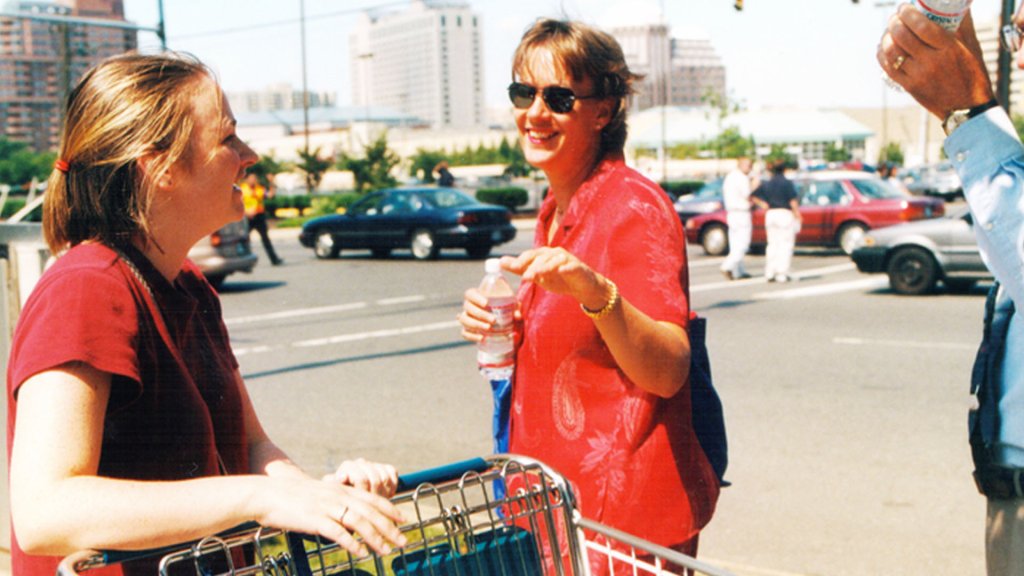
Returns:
<point x="333" y="511"/>
<point x="380" y="479"/>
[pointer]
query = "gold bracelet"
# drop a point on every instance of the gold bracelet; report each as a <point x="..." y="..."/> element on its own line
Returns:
<point x="607" y="309"/>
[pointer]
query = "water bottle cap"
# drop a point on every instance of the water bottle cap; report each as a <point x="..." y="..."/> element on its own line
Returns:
<point x="492" y="266"/>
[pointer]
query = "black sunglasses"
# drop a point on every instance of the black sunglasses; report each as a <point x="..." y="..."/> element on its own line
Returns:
<point x="558" y="99"/>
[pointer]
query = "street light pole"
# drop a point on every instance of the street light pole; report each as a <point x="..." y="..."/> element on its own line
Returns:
<point x="161" y="31"/>
<point x="305" y="92"/>
<point x="1003" y="69"/>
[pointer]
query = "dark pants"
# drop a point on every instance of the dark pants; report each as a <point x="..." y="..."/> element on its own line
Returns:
<point x="259" y="224"/>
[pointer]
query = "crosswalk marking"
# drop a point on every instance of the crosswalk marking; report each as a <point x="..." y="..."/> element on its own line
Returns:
<point x="824" y="289"/>
<point x="849" y="341"/>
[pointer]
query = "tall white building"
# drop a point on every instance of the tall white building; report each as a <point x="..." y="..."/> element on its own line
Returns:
<point x="677" y="71"/>
<point x="988" y="37"/>
<point x="426" y="60"/>
<point x="277" y="97"/>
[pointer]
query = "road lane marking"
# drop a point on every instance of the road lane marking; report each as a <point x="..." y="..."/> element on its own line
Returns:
<point x="401" y="300"/>
<point x="251" y="350"/>
<point x="849" y="341"/>
<point x="386" y="333"/>
<point x="284" y="314"/>
<point x="705" y="262"/>
<point x="834" y="288"/>
<point x="812" y="273"/>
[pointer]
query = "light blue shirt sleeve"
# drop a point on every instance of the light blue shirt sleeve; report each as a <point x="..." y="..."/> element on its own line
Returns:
<point x="989" y="158"/>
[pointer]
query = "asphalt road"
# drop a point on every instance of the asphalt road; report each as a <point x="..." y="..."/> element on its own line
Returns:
<point x="845" y="403"/>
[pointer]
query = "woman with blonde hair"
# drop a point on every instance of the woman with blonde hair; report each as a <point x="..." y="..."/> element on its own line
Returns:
<point x="129" y="425"/>
<point x="600" y="389"/>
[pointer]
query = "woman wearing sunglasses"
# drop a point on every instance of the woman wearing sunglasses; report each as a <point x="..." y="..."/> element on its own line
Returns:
<point x="600" y="387"/>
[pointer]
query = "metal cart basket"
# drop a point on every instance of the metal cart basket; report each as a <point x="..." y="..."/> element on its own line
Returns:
<point x="500" y="516"/>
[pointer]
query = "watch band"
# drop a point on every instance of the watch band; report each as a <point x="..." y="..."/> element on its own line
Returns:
<point x="958" y="117"/>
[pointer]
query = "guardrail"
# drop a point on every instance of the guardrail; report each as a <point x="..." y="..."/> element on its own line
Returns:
<point x="23" y="257"/>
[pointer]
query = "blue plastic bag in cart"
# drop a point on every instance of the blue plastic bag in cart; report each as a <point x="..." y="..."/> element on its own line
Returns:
<point x="502" y="392"/>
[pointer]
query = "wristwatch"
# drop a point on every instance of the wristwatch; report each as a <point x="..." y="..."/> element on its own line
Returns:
<point x="958" y="117"/>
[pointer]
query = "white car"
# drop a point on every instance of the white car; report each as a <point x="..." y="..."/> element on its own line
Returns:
<point x="220" y="254"/>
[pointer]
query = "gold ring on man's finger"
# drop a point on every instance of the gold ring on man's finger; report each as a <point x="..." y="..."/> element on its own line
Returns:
<point x="899" y="62"/>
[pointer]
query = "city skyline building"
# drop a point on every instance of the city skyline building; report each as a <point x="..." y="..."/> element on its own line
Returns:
<point x="280" y="96"/>
<point x="41" y="61"/>
<point x="425" y="60"/>
<point x="677" y="71"/>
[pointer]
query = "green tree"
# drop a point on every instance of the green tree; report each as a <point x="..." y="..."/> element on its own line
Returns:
<point x="730" y="143"/>
<point x="373" y="171"/>
<point x="778" y="153"/>
<point x="423" y="162"/>
<point x="515" y="164"/>
<point x="19" y="164"/>
<point x="268" y="166"/>
<point x="837" y="154"/>
<point x="891" y="153"/>
<point x="313" y="166"/>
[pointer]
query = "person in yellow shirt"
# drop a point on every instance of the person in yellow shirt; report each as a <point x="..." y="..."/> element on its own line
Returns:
<point x="254" y="195"/>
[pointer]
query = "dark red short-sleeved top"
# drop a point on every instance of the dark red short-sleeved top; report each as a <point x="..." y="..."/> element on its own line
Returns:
<point x="175" y="410"/>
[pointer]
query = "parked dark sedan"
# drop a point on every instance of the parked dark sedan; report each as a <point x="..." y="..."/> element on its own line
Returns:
<point x="424" y="220"/>
<point x="917" y="255"/>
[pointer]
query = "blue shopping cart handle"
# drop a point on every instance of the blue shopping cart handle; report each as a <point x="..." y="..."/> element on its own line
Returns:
<point x="452" y="471"/>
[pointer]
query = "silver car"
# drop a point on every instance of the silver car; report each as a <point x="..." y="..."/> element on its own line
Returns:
<point x="224" y="252"/>
<point x="917" y="255"/>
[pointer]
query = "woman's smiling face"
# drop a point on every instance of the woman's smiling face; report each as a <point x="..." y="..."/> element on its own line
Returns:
<point x="559" y="144"/>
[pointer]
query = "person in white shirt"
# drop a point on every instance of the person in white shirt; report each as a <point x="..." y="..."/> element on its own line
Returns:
<point x="736" y="196"/>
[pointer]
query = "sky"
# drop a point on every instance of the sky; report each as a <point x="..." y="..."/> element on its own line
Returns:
<point x="805" y="53"/>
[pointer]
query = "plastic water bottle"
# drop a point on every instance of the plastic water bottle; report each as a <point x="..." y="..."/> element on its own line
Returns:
<point x="495" y="354"/>
<point x="946" y="13"/>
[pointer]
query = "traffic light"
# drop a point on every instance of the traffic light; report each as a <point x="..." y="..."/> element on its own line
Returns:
<point x="738" y="5"/>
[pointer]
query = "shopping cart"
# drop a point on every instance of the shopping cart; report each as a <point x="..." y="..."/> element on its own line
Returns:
<point x="500" y="516"/>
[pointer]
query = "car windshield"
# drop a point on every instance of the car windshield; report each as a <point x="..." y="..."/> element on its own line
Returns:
<point x="447" y="198"/>
<point x="709" y="190"/>
<point x="877" y="189"/>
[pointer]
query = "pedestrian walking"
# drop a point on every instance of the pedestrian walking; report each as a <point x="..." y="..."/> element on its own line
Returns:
<point x="445" y="179"/>
<point x="782" y="221"/>
<point x="600" y="388"/>
<point x="129" y="425"/>
<point x="255" y="196"/>
<point x="946" y="73"/>
<point x="736" y="190"/>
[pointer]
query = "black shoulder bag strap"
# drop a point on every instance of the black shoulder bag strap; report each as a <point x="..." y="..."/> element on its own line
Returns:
<point x="983" y="419"/>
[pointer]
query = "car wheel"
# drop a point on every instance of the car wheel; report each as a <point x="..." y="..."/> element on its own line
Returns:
<point x="715" y="240"/>
<point x="849" y="235"/>
<point x="912" y="271"/>
<point x="325" y="247"/>
<point x="959" y="285"/>
<point x="478" y="251"/>
<point x="381" y="252"/>
<point x="216" y="280"/>
<point x="423" y="246"/>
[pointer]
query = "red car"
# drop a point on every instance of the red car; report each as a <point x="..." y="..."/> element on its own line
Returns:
<point x="837" y="208"/>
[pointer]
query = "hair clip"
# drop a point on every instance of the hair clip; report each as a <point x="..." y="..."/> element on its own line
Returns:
<point x="62" y="165"/>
